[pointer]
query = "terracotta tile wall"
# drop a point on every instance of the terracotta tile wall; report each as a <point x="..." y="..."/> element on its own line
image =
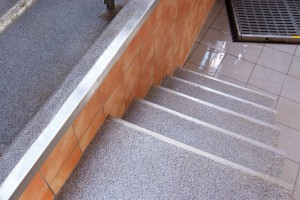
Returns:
<point x="162" y="43"/>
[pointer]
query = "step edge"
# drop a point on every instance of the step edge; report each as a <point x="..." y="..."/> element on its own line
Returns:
<point x="224" y="94"/>
<point x="226" y="132"/>
<point x="263" y="123"/>
<point x="209" y="156"/>
<point x="228" y="83"/>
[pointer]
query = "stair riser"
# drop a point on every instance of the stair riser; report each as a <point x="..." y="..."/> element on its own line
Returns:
<point x="211" y="115"/>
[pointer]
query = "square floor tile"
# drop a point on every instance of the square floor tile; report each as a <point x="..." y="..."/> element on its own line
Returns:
<point x="295" y="67"/>
<point x="297" y="53"/>
<point x="217" y="39"/>
<point x="275" y="59"/>
<point x="221" y="23"/>
<point x="202" y="33"/>
<point x="219" y="5"/>
<point x="288" y="141"/>
<point x="224" y="11"/>
<point x="296" y="195"/>
<point x="211" y="18"/>
<point x="288" y="113"/>
<point x="199" y="69"/>
<point x="290" y="172"/>
<point x="267" y="79"/>
<point x="264" y="92"/>
<point x="236" y="68"/>
<point x="193" y="49"/>
<point x="287" y="48"/>
<point x="247" y="51"/>
<point x="229" y="79"/>
<point x="291" y="89"/>
<point x="207" y="58"/>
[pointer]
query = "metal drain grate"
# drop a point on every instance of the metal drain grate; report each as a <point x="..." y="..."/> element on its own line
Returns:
<point x="265" y="20"/>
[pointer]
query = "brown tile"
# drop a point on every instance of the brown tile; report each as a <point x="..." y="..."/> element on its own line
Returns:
<point x="59" y="155"/>
<point x="147" y="65"/>
<point x="159" y="60"/>
<point x="86" y="116"/>
<point x="148" y="28"/>
<point x="37" y="190"/>
<point x="132" y="80"/>
<point x="161" y="8"/>
<point x="131" y="52"/>
<point x="115" y="105"/>
<point x="92" y="130"/>
<point x="111" y="81"/>
<point x="67" y="169"/>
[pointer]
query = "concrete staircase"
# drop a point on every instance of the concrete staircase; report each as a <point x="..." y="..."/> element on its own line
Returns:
<point x="193" y="137"/>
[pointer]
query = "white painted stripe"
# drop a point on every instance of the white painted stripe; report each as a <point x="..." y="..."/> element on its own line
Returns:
<point x="205" y="154"/>
<point x="231" y="134"/>
<point x="224" y="94"/>
<point x="218" y="108"/>
<point x="227" y="83"/>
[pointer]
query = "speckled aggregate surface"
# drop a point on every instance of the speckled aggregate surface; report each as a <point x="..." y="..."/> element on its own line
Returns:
<point x="218" y="99"/>
<point x="43" y="116"/>
<point x="122" y="163"/>
<point x="220" y="86"/>
<point x="205" y="138"/>
<point x="210" y="114"/>
<point x="5" y="5"/>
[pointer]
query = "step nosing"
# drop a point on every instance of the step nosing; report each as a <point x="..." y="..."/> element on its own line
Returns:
<point x="217" y="107"/>
<point x="226" y="132"/>
<point x="204" y="154"/>
<point x="224" y="94"/>
<point x="227" y="83"/>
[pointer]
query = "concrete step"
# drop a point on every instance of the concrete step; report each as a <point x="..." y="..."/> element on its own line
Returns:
<point x="225" y="87"/>
<point x="221" y="99"/>
<point x="2" y="148"/>
<point x="128" y="162"/>
<point x="230" y="146"/>
<point x="215" y="115"/>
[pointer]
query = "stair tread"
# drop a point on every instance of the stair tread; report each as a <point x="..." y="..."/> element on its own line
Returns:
<point x="225" y="144"/>
<point x="220" y="99"/>
<point x="214" y="115"/>
<point x="225" y="87"/>
<point x="126" y="163"/>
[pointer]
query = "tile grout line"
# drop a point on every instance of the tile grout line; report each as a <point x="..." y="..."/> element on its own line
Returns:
<point x="297" y="177"/>
<point x="288" y="127"/>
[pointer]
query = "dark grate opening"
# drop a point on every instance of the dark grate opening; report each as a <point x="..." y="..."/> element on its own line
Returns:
<point x="265" y="20"/>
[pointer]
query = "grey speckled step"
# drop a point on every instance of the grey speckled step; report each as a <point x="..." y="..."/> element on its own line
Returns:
<point x="221" y="99"/>
<point x="129" y="163"/>
<point x="215" y="115"/>
<point x="2" y="148"/>
<point x="214" y="140"/>
<point x="225" y="87"/>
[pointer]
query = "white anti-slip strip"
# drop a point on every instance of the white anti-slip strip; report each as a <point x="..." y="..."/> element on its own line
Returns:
<point x="218" y="107"/>
<point x="205" y="154"/>
<point x="231" y="134"/>
<point x="227" y="83"/>
<point x="224" y="94"/>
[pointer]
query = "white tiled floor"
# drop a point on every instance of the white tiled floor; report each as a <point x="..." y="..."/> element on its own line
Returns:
<point x="269" y="68"/>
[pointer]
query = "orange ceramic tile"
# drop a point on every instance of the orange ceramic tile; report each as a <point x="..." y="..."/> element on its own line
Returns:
<point x="131" y="51"/>
<point x="86" y="116"/>
<point x="67" y="169"/>
<point x="159" y="60"/>
<point x="161" y="8"/>
<point x="168" y="62"/>
<point x="115" y="105"/>
<point x="59" y="155"/>
<point x="92" y="130"/>
<point x="132" y="80"/>
<point x="148" y="28"/>
<point x="37" y="190"/>
<point x="111" y="81"/>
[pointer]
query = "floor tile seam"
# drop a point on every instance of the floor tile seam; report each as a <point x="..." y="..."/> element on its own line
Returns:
<point x="283" y="51"/>
<point x="263" y="90"/>
<point x="289" y="127"/>
<point x="297" y="177"/>
<point x="291" y="160"/>
<point x="207" y="155"/>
